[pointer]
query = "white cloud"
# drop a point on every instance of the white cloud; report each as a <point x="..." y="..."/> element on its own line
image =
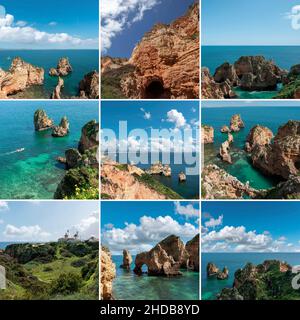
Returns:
<point x="25" y="233"/>
<point x="1" y="221"/>
<point x="52" y="23"/>
<point x="108" y="226"/>
<point x="21" y="34"/>
<point x="146" y="234"/>
<point x="238" y="239"/>
<point x="89" y="226"/>
<point x="116" y="15"/>
<point x="212" y="223"/>
<point x="147" y="115"/>
<point x="177" y="118"/>
<point x="21" y="23"/>
<point x="4" y="206"/>
<point x="294" y="16"/>
<point x="188" y="211"/>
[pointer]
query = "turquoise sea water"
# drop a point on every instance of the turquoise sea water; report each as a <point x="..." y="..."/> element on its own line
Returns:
<point x="234" y="261"/>
<point x="271" y="117"/>
<point x="128" y="286"/>
<point x="28" y="166"/>
<point x="188" y="189"/>
<point x="283" y="56"/>
<point x="82" y="61"/>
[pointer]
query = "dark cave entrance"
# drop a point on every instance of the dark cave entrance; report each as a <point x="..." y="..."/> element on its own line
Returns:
<point x="155" y="90"/>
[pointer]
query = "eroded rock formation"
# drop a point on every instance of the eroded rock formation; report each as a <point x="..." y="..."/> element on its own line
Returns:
<point x="258" y="135"/>
<point x="160" y="169"/>
<point x="192" y="247"/>
<point x="89" y="86"/>
<point x="249" y="73"/>
<point x="224" y="274"/>
<point x="57" y="91"/>
<point x="210" y="89"/>
<point x="218" y="184"/>
<point x="120" y="181"/>
<point x="20" y="76"/>
<point x="165" y="259"/>
<point x="211" y="270"/>
<point x="82" y="166"/>
<point x="62" y="129"/>
<point x="108" y="273"/>
<point x="164" y="64"/>
<point x="207" y="134"/>
<point x="63" y="68"/>
<point x="89" y="136"/>
<point x="127" y="260"/>
<point x="181" y="177"/>
<point x="282" y="156"/>
<point x="42" y="121"/>
<point x="236" y="123"/>
<point x="224" y="152"/>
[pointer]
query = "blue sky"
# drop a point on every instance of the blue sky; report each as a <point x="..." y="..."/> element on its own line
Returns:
<point x="138" y="226"/>
<point x="125" y="22"/>
<point x="44" y="221"/>
<point x="35" y="24"/>
<point x="242" y="22"/>
<point x="175" y="116"/>
<point x="251" y="226"/>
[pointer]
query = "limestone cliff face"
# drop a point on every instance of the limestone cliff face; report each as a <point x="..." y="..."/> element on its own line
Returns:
<point x="108" y="273"/>
<point x="167" y="61"/>
<point x="165" y="259"/>
<point x="192" y="247"/>
<point x="20" y="76"/>
<point x="109" y="63"/>
<point x="207" y="134"/>
<point x="120" y="182"/>
<point x="282" y="156"/>
<point x="218" y="184"/>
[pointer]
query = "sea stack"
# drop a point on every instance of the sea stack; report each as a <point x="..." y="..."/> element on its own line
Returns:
<point x="57" y="91"/>
<point x="42" y="121"/>
<point x="62" y="129"/>
<point x="211" y="270"/>
<point x="63" y="68"/>
<point x="182" y="177"/>
<point x="127" y="260"/>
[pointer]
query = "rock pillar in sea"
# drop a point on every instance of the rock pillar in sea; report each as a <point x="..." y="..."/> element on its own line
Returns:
<point x="2" y="278"/>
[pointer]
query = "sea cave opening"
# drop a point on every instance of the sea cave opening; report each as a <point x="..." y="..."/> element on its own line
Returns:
<point x="155" y="90"/>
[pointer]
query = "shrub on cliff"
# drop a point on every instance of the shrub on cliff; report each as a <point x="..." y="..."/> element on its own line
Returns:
<point x="66" y="283"/>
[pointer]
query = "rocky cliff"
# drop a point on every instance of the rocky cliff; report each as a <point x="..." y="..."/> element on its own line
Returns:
<point x="271" y="280"/>
<point x="108" y="273"/>
<point x="166" y="258"/>
<point x="249" y="73"/>
<point x="20" y="76"/>
<point x="218" y="184"/>
<point x="81" y="180"/>
<point x="280" y="157"/>
<point x="122" y="181"/>
<point x="164" y="64"/>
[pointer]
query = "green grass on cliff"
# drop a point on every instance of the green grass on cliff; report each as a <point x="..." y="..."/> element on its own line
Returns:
<point x="288" y="90"/>
<point x="152" y="183"/>
<point x="72" y="272"/>
<point x="111" y="82"/>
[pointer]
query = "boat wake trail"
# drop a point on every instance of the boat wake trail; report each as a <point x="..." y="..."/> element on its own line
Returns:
<point x="12" y="152"/>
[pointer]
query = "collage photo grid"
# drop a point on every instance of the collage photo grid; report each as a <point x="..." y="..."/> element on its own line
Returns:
<point x="150" y="150"/>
